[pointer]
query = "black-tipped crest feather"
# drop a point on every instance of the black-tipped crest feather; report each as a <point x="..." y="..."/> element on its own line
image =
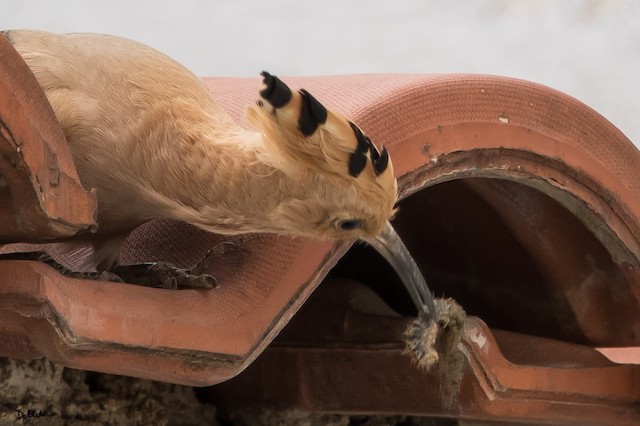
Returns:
<point x="358" y="159"/>
<point x="357" y="163"/>
<point x="312" y="113"/>
<point x="277" y="93"/>
<point x="380" y="165"/>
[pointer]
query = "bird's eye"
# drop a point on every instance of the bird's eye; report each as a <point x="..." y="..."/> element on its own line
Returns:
<point x="349" y="224"/>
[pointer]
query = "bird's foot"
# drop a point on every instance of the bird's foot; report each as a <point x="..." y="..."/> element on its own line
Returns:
<point x="155" y="274"/>
<point x="164" y="275"/>
<point x="168" y="276"/>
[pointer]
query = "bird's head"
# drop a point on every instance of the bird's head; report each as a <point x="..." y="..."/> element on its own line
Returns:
<point x="341" y="186"/>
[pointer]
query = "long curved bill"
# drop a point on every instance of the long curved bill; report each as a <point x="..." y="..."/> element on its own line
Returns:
<point x="391" y="247"/>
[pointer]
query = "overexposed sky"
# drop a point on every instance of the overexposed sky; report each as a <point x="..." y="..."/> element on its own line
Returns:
<point x="589" y="49"/>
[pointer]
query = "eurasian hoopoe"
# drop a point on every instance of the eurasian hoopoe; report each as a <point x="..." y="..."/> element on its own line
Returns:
<point x="145" y="133"/>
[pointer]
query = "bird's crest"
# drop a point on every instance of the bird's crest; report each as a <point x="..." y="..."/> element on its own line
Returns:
<point x="281" y="102"/>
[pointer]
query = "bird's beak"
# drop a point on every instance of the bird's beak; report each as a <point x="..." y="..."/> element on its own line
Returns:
<point x="391" y="247"/>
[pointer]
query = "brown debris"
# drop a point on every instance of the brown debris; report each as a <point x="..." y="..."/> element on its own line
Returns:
<point x="435" y="342"/>
<point x="429" y="341"/>
<point x="74" y="397"/>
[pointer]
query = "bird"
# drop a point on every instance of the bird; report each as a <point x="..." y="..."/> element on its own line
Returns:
<point x="145" y="133"/>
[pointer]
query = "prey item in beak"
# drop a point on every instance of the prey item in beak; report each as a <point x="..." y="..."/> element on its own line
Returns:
<point x="391" y="247"/>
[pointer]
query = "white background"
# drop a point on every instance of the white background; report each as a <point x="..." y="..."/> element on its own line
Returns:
<point x="589" y="49"/>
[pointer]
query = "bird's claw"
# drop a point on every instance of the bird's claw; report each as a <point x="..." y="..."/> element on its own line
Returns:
<point x="164" y="275"/>
<point x="275" y="91"/>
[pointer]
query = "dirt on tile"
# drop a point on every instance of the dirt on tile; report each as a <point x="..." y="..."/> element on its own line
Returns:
<point x="41" y="392"/>
<point x="267" y="417"/>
